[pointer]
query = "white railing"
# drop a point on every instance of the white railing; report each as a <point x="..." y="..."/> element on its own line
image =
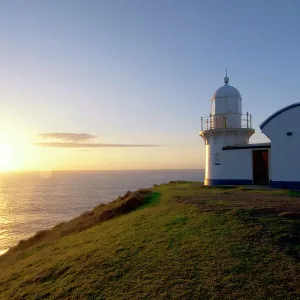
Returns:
<point x="229" y="120"/>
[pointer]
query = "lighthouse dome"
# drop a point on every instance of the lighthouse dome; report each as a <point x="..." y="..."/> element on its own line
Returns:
<point x="226" y="91"/>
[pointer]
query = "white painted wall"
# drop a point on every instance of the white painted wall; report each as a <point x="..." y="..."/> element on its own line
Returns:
<point x="236" y="164"/>
<point x="215" y="141"/>
<point x="285" y="161"/>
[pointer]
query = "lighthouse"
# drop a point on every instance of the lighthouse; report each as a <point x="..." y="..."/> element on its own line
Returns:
<point x="225" y="127"/>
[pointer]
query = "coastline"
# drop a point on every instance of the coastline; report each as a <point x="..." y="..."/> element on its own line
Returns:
<point x="183" y="240"/>
<point x="29" y="203"/>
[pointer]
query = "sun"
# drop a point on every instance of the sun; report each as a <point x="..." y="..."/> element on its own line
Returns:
<point x="6" y="157"/>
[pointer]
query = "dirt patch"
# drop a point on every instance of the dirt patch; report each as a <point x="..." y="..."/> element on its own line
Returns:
<point x="263" y="202"/>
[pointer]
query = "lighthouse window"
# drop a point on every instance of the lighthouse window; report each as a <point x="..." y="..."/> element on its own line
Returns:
<point x="213" y="106"/>
<point x="239" y="108"/>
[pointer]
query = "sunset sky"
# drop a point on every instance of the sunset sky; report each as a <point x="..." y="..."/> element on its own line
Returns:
<point x="123" y="84"/>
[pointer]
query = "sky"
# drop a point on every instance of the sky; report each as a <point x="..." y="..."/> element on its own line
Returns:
<point x="123" y="84"/>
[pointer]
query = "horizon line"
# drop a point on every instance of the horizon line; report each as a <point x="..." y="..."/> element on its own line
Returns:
<point x="98" y="170"/>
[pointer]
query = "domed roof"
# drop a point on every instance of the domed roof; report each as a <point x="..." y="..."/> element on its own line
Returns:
<point x="226" y="91"/>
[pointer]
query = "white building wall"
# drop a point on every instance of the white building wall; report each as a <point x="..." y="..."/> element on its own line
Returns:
<point x="224" y="164"/>
<point x="285" y="162"/>
<point x="237" y="164"/>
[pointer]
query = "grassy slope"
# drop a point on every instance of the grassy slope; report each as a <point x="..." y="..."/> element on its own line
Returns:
<point x="129" y="202"/>
<point x="191" y="242"/>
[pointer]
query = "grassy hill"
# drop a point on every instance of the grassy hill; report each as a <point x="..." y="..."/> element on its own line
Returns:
<point x="176" y="241"/>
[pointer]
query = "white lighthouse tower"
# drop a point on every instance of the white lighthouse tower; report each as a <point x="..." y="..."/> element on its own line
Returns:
<point x="225" y="126"/>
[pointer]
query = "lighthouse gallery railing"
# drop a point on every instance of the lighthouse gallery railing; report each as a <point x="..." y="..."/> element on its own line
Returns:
<point x="229" y="120"/>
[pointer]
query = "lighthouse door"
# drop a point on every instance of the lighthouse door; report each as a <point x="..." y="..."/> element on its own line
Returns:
<point x="260" y="159"/>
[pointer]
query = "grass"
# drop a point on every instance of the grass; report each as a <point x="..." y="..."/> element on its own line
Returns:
<point x="180" y="241"/>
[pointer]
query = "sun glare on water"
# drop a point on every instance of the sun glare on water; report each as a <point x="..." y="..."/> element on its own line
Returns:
<point x="7" y="162"/>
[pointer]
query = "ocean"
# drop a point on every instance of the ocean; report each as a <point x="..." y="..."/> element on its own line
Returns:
<point x="32" y="201"/>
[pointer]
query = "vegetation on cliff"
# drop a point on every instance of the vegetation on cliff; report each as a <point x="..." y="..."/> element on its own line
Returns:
<point x="180" y="241"/>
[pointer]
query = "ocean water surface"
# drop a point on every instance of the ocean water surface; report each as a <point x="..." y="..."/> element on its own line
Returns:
<point x="33" y="201"/>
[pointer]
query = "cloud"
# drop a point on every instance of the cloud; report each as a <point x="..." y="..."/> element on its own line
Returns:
<point x="88" y="145"/>
<point x="67" y="136"/>
<point x="77" y="141"/>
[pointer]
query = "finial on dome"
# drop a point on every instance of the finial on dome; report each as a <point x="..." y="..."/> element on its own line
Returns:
<point x="226" y="78"/>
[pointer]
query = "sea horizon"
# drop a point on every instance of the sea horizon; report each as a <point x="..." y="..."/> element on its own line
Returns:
<point x="96" y="170"/>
